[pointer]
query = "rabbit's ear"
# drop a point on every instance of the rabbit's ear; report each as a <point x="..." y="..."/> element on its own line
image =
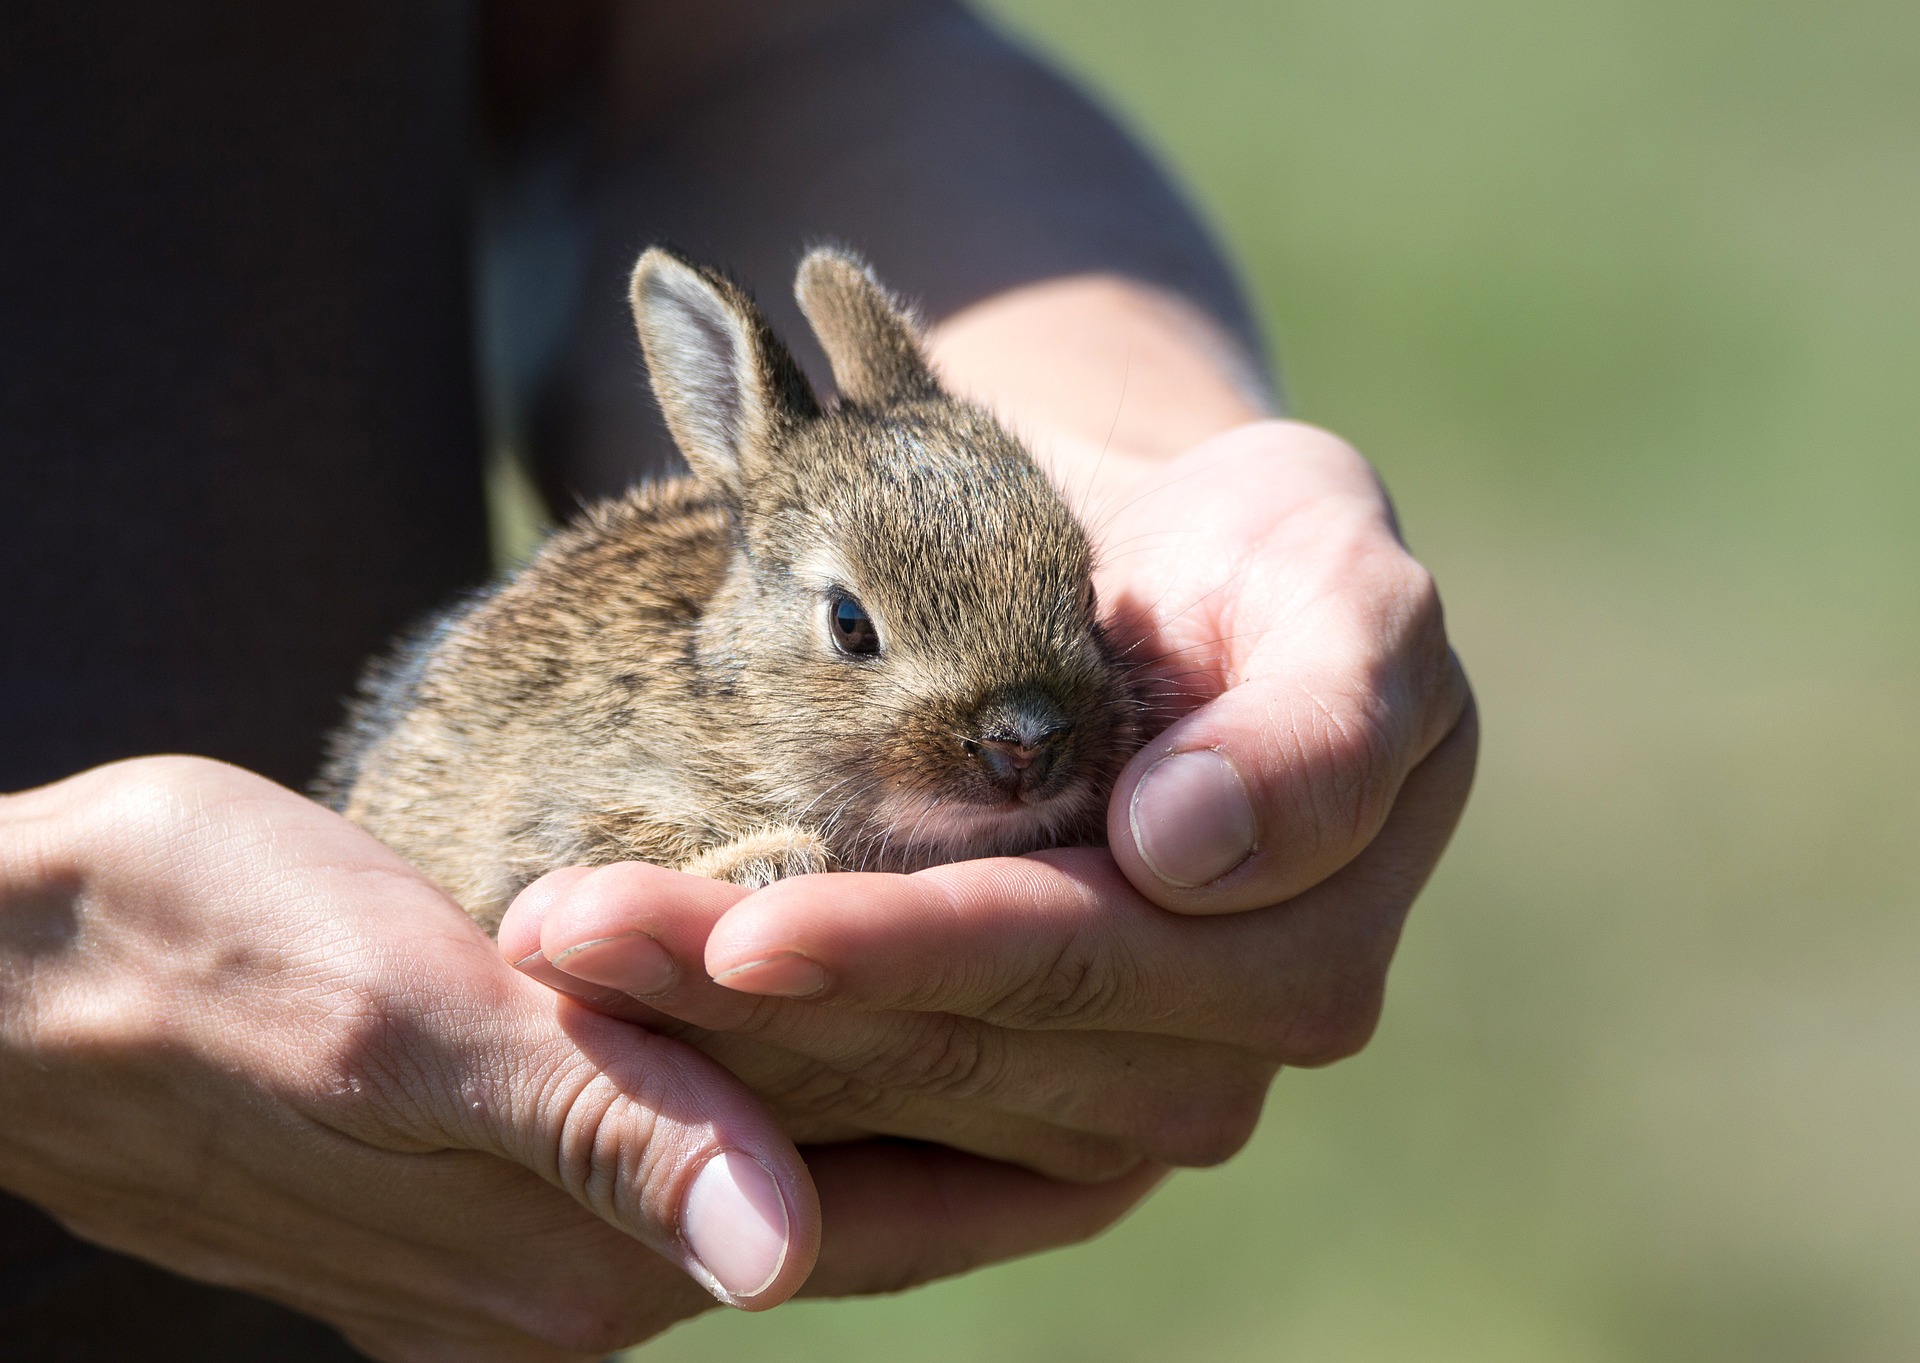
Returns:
<point x="725" y="384"/>
<point x="871" y="340"/>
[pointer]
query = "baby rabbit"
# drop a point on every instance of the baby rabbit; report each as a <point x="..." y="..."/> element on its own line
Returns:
<point x="857" y="637"/>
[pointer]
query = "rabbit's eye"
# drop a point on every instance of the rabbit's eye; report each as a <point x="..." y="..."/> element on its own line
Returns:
<point x="853" y="630"/>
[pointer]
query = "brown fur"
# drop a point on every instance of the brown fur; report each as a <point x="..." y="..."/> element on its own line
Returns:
<point x="661" y="682"/>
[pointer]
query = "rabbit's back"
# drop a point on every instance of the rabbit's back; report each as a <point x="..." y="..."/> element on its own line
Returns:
<point x="557" y="719"/>
<point x="861" y="636"/>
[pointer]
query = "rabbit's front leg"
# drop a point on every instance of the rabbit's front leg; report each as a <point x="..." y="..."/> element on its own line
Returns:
<point x="764" y="856"/>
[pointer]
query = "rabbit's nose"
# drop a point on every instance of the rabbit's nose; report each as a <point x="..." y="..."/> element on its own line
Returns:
<point x="1017" y="766"/>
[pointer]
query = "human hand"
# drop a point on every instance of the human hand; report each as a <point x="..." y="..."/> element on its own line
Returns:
<point x="242" y="1039"/>
<point x="1049" y="1009"/>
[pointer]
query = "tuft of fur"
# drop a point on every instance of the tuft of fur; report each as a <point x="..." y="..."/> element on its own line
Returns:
<point x="662" y="682"/>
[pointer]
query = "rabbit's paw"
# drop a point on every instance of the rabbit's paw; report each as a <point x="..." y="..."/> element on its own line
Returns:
<point x="764" y="856"/>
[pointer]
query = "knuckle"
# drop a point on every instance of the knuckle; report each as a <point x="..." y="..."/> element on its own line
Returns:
<point x="1360" y="745"/>
<point x="1078" y="988"/>
<point x="1332" y="1025"/>
<point x="819" y="1091"/>
<point x="950" y="1057"/>
<point x="1433" y="669"/>
<point x="1212" y="1130"/>
<point x="1367" y="722"/>
<point x="146" y="812"/>
<point x="145" y="798"/>
<point x="582" y="1134"/>
<point x="1081" y="1158"/>
<point x="1420" y="672"/>
<point x="605" y="1153"/>
<point x="1420" y="600"/>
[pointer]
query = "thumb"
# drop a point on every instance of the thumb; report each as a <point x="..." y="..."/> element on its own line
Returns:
<point x="643" y="1131"/>
<point x="1272" y="786"/>
<point x="1265" y="574"/>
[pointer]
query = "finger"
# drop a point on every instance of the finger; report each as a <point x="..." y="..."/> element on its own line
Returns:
<point x="1061" y="940"/>
<point x="1280" y="781"/>
<point x="1315" y="647"/>
<point x="817" y="1104"/>
<point x="645" y="1132"/>
<point x="606" y="913"/>
<point x="519" y="941"/>
<point x="929" y="1075"/>
<point x="1056" y="1120"/>
<point x="899" y="1215"/>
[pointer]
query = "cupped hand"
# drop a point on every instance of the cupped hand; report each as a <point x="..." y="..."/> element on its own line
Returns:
<point x="1078" y="1011"/>
<point x="1298" y="657"/>
<point x="243" y="1040"/>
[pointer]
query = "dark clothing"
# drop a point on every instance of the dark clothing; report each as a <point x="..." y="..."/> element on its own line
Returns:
<point x="63" y="1301"/>
<point x="238" y="446"/>
<point x="237" y="414"/>
<point x="239" y="426"/>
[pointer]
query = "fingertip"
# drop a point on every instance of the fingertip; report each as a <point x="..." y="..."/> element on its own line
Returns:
<point x="743" y="1231"/>
<point x="668" y="1145"/>
<point x="799" y="935"/>
<point x="782" y="975"/>
<point x="771" y="921"/>
<point x="521" y="925"/>
<point x="1191" y="820"/>
<point x="1186" y="831"/>
<point x="604" y="984"/>
<point x="1256" y="797"/>
<point x="632" y="897"/>
<point x="635" y="963"/>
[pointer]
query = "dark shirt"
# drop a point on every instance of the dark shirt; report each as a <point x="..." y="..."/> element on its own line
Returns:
<point x="239" y="435"/>
<point x="238" y="445"/>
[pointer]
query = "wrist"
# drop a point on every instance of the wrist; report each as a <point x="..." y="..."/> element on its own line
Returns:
<point x="40" y="879"/>
<point x="42" y="875"/>
<point x="100" y="943"/>
<point x="1104" y="377"/>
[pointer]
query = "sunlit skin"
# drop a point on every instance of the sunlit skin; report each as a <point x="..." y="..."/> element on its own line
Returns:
<point x="430" y="1168"/>
<point x="347" y="1099"/>
<point x="1076" y="1002"/>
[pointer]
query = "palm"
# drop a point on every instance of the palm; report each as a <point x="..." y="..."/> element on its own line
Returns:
<point x="1048" y="1010"/>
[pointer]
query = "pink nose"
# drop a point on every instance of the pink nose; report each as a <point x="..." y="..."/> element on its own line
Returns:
<point x="1018" y="755"/>
<point x="1014" y="766"/>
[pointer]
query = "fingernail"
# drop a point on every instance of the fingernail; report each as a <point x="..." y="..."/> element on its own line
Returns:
<point x="631" y="962"/>
<point x="1192" y="820"/>
<point x="537" y="966"/>
<point x="788" y="975"/>
<point x="735" y="1222"/>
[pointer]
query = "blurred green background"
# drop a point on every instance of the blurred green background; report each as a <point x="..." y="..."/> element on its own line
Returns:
<point x="1624" y="298"/>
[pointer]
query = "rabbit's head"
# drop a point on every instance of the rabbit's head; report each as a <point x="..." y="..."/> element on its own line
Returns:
<point x="908" y="631"/>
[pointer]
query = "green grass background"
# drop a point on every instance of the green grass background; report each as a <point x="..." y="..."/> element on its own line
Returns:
<point x="1624" y="298"/>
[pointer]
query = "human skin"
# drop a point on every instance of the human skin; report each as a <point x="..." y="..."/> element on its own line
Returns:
<point x="1251" y="567"/>
<point x="190" y="956"/>
<point x="345" y="1101"/>
<point x="1083" y="1011"/>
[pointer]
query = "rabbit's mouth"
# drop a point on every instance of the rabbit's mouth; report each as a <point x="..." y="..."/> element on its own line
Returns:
<point x="927" y="830"/>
